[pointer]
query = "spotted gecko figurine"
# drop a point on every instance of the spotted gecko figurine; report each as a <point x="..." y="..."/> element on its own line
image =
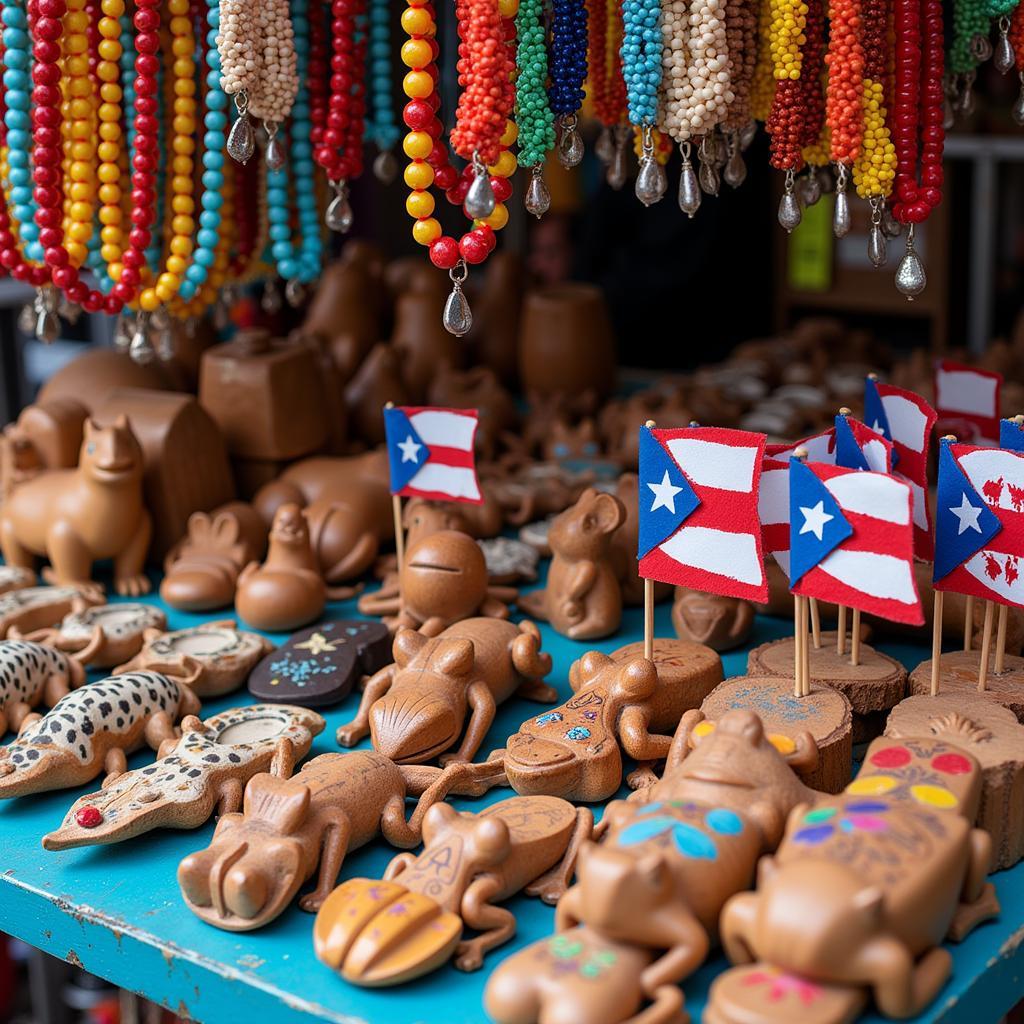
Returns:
<point x="31" y="674"/>
<point x="203" y="771"/>
<point x="91" y="730"/>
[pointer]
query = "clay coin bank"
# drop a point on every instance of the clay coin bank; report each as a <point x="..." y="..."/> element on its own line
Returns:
<point x="319" y="666"/>
<point x="391" y="931"/>
<point x="259" y="859"/>
<point x="33" y="608"/>
<point x="202" y="772"/>
<point x="13" y="577"/>
<point x="31" y="674"/>
<point x="212" y="659"/>
<point x="720" y="623"/>
<point x="91" y="730"/>
<point x="75" y="517"/>
<point x="415" y="709"/>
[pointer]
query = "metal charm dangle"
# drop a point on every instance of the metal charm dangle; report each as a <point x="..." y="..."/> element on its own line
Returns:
<point x="457" y="317"/>
<point x="651" y="182"/>
<point x="1018" y="107"/>
<point x="27" y="316"/>
<point x="271" y="301"/>
<point x="877" y="246"/>
<point x="480" y="200"/>
<point x="604" y="149"/>
<point x="618" y="167"/>
<point x="841" y="211"/>
<point x="790" y="213"/>
<point x="965" y="100"/>
<point x="981" y="48"/>
<point x="295" y="292"/>
<point x="241" y="139"/>
<point x="911" y="279"/>
<point x="338" y="216"/>
<point x="538" y="196"/>
<point x="276" y="155"/>
<point x="707" y="175"/>
<point x="385" y="167"/>
<point x="124" y="329"/>
<point x="735" y="172"/>
<point x="890" y="225"/>
<point x="747" y="134"/>
<point x="141" y="348"/>
<point x="809" y="187"/>
<point x="47" y="321"/>
<point x="570" y="142"/>
<point x="690" y="194"/>
<point x="1003" y="58"/>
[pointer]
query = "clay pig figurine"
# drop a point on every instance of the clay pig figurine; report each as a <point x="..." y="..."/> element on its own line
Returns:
<point x="31" y="674"/>
<point x="92" y="730"/>
<point x="388" y="932"/>
<point x="583" y="598"/>
<point x="75" y="517"/>
<point x="202" y="772"/>
<point x="258" y="860"/>
<point x="415" y="709"/>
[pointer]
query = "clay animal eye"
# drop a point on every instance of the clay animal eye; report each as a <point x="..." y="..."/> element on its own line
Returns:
<point x="91" y="448"/>
<point x="590" y="448"/>
<point x="561" y="450"/>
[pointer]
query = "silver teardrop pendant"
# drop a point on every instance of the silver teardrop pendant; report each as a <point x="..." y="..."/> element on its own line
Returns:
<point x="841" y="215"/>
<point x="480" y="200"/>
<point x="877" y="250"/>
<point x="385" y="167"/>
<point x="690" y="194"/>
<point x="47" y="326"/>
<point x="457" y="317"/>
<point x="140" y="348"/>
<point x="747" y="134"/>
<point x="241" y="140"/>
<point x="27" y="318"/>
<point x="1003" y="58"/>
<point x="735" y="172"/>
<point x="338" y="216"/>
<point x="651" y="181"/>
<point x="538" y="196"/>
<point x="1018" y="107"/>
<point x="618" y="169"/>
<point x="295" y="292"/>
<point x="809" y="187"/>
<point x="910" y="276"/>
<point x="708" y="178"/>
<point x="123" y="331"/>
<point x="570" y="143"/>
<point x="790" y="213"/>
<point x="604" y="149"/>
<point x="276" y="155"/>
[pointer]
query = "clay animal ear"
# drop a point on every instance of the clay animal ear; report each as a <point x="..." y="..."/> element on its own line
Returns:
<point x="638" y="679"/>
<point x="804" y="759"/>
<point x="279" y="802"/>
<point x="606" y="514"/>
<point x="89" y="427"/>
<point x="122" y="422"/>
<point x="869" y="902"/>
<point x="455" y="657"/>
<point x="588" y="667"/>
<point x="408" y="643"/>
<point x="436" y="820"/>
<point x="491" y="840"/>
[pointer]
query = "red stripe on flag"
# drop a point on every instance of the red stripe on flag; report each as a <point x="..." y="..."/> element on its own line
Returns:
<point x="451" y="457"/>
<point x="658" y="566"/>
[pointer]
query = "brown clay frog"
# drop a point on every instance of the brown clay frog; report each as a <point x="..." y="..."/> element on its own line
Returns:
<point x="75" y="517"/>
<point x="583" y="599"/>
<point x="258" y="860"/>
<point x="415" y="709"/>
<point x="31" y="674"/>
<point x="201" y="772"/>
<point x="389" y="932"/>
<point x="720" y="622"/>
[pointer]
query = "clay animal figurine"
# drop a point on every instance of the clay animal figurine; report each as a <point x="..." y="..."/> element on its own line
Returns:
<point x="212" y="659"/>
<point x="75" y="517"/>
<point x="443" y="581"/>
<point x="101" y="636"/>
<point x="582" y="600"/>
<point x="509" y="560"/>
<point x="287" y="590"/>
<point x="317" y="667"/>
<point x="91" y="730"/>
<point x="721" y="623"/>
<point x="32" y="608"/>
<point x="258" y="860"/>
<point x="13" y="577"/>
<point x="415" y="709"/>
<point x="202" y="772"/>
<point x="388" y="932"/>
<point x="31" y="674"/>
<point x="535" y="490"/>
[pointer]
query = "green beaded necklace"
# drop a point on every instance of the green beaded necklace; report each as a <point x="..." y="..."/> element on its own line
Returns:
<point x="533" y="111"/>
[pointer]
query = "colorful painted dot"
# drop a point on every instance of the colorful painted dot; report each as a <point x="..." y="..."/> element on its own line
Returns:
<point x="867" y="807"/>
<point x="952" y="764"/>
<point x="577" y="733"/>
<point x="654" y="805"/>
<point x="863" y="823"/>
<point x="814" y="835"/>
<point x="88" y="817"/>
<point x="783" y="744"/>
<point x="551" y="716"/>
<point x="872" y="785"/>
<point x="934" y="796"/>
<point x="647" y="828"/>
<point x="819" y="815"/>
<point x="564" y="947"/>
<point x="691" y="842"/>
<point x="724" y="821"/>
<point x="891" y="757"/>
<point x="701" y="729"/>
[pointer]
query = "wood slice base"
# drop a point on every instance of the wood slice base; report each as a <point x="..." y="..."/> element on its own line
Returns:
<point x="992" y="734"/>
<point x="825" y="713"/>
<point x="762" y="994"/>
<point x="875" y="685"/>
<point x="958" y="676"/>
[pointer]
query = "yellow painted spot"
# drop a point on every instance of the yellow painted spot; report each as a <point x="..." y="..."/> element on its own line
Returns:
<point x="872" y="785"/>
<point x="700" y="730"/>
<point x="783" y="744"/>
<point x="934" y="796"/>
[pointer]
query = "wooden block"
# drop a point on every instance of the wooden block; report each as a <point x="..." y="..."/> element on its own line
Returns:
<point x="825" y="713"/>
<point x="958" y="676"/>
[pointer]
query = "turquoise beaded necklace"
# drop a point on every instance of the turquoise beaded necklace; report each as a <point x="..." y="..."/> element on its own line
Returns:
<point x="641" y="58"/>
<point x="381" y="127"/>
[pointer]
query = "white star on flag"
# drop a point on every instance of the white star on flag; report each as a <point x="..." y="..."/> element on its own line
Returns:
<point x="967" y="514"/>
<point x="815" y="519"/>
<point x="410" y="449"/>
<point x="665" y="494"/>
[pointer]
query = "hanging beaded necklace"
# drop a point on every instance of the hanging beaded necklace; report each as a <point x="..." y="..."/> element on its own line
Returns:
<point x="381" y="126"/>
<point x="534" y="116"/>
<point x="606" y="86"/>
<point x="844" y="106"/>
<point x="970" y="45"/>
<point x="568" y="72"/>
<point x="642" y="72"/>
<point x="1015" y="36"/>
<point x="762" y="85"/>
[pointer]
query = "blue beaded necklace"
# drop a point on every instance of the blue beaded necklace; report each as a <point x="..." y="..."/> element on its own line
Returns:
<point x="381" y="126"/>
<point x="568" y="68"/>
<point x="641" y="58"/>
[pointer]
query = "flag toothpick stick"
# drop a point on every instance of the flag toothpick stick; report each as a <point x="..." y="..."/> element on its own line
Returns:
<point x="841" y="635"/>
<point x="396" y="510"/>
<point x="855" y="638"/>
<point x="1000" y="640"/>
<point x="968" y="621"/>
<point x="649" y="599"/>
<point x="936" y="640"/>
<point x="815" y="623"/>
<point x="799" y="643"/>
<point x="986" y="642"/>
<point x="805" y="661"/>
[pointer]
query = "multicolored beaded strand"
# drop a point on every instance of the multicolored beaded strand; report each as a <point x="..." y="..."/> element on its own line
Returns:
<point x="642" y="72"/>
<point x="534" y="116"/>
<point x="568" y="64"/>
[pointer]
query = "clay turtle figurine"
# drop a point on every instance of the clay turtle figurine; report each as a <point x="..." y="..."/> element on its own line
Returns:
<point x="103" y="635"/>
<point x="211" y="659"/>
<point x="391" y="931"/>
<point x="92" y="730"/>
<point x="258" y="860"/>
<point x="415" y="709"/>
<point x="32" y="608"/>
<point x="202" y="772"/>
<point x="31" y="674"/>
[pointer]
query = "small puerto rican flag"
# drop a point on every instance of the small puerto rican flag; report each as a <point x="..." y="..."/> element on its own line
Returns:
<point x="967" y="401"/>
<point x="699" y="525"/>
<point x="430" y="453"/>
<point x="1011" y="435"/>
<point x="858" y="446"/>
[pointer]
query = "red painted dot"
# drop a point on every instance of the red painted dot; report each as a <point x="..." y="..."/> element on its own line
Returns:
<point x="88" y="817"/>
<point x="952" y="764"/>
<point x="891" y="757"/>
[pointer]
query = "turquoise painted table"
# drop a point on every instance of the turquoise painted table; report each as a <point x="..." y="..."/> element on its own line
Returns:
<point x="117" y="911"/>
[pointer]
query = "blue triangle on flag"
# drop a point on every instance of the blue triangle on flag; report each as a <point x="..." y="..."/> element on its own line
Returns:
<point x="1011" y="436"/>
<point x="407" y="453"/>
<point x="666" y="498"/>
<point x="964" y="523"/>
<point x="817" y="525"/>
<point x="874" y="410"/>
<point x="848" y="452"/>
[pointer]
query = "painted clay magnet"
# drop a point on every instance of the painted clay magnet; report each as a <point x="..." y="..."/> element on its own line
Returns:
<point x="319" y="666"/>
<point x="202" y="772"/>
<point x="31" y="674"/>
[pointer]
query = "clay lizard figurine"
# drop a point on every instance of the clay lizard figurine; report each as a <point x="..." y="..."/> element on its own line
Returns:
<point x="31" y="674"/>
<point x="415" y="709"/>
<point x="258" y="860"/>
<point x="203" y="771"/>
<point x="388" y="932"/>
<point x="92" y="729"/>
<point x="34" y="608"/>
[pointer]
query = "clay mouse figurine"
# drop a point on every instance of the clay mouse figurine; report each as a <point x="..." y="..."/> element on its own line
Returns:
<point x="75" y="517"/>
<point x="583" y="599"/>
<point x="287" y="590"/>
<point x="385" y="933"/>
<point x="415" y="709"/>
<point x="258" y="860"/>
<point x="31" y="674"/>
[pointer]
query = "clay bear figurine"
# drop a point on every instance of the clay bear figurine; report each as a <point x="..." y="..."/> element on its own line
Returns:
<point x="258" y="860"/>
<point x="202" y="772"/>
<point x="583" y="599"/>
<point x="415" y="709"/>
<point x="385" y="933"/>
<point x="92" y="730"/>
<point x="75" y="517"/>
<point x="31" y="674"/>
